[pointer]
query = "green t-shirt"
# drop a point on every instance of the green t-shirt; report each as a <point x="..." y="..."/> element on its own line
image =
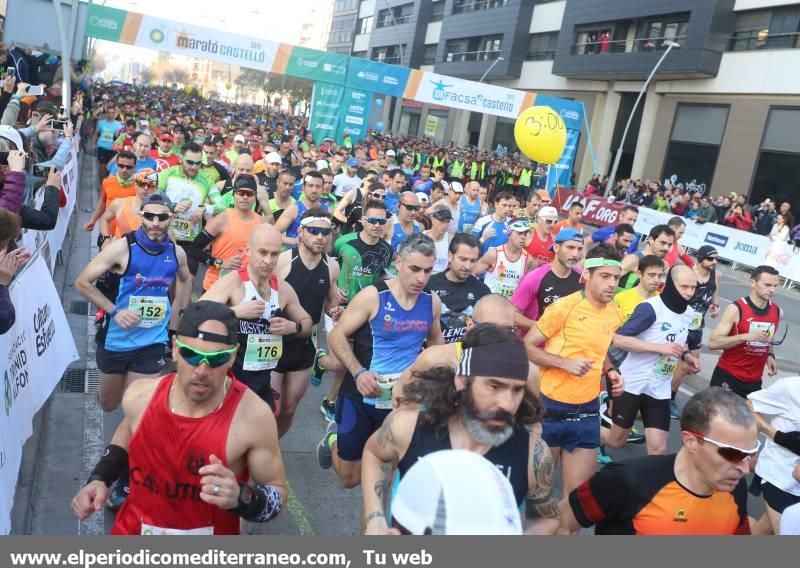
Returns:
<point x="174" y="183"/>
<point x="361" y="264"/>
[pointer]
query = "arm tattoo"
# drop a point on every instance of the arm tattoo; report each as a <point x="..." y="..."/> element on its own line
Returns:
<point x="385" y="435"/>
<point x="374" y="515"/>
<point x="540" y="502"/>
<point x="383" y="484"/>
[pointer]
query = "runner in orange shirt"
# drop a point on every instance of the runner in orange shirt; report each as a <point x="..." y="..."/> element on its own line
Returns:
<point x="115" y="186"/>
<point x="125" y="212"/>
<point x="573" y="220"/>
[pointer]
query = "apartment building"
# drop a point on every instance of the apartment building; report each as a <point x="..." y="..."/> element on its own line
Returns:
<point x="722" y="111"/>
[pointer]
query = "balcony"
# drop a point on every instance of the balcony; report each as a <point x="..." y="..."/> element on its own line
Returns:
<point x="646" y="44"/>
<point x="392" y="60"/>
<point x="483" y="55"/>
<point x="752" y="40"/>
<point x="466" y="6"/>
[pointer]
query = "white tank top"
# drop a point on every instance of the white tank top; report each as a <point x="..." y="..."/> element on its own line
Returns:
<point x="262" y="349"/>
<point x="651" y="373"/>
<point x="440" y="264"/>
<point x="506" y="274"/>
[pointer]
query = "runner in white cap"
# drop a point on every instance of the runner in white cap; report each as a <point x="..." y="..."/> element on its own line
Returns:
<point x="504" y="266"/>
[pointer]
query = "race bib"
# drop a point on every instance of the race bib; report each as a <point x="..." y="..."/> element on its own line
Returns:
<point x="152" y="530"/>
<point x="468" y="228"/>
<point x="697" y="321"/>
<point x="386" y="383"/>
<point x="505" y="291"/>
<point x="152" y="310"/>
<point x="665" y="366"/>
<point x="263" y="352"/>
<point x="184" y="229"/>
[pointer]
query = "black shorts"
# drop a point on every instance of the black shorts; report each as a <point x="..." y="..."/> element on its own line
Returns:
<point x="104" y="156"/>
<point x="776" y="498"/>
<point x="191" y="262"/>
<point x="145" y="360"/>
<point x="655" y="411"/>
<point x="297" y="356"/>
<point x="356" y="422"/>
<point x="721" y="378"/>
<point x="695" y="339"/>
<point x="257" y="381"/>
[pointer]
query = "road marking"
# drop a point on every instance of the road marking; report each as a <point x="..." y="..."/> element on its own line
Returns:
<point x="298" y="512"/>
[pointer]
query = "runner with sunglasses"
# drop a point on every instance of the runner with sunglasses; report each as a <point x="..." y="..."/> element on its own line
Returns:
<point x="134" y="337"/>
<point x="348" y="211"/>
<point x="289" y="223"/>
<point x="226" y="235"/>
<point x="125" y="212"/>
<point x="540" y="246"/>
<point x="745" y="334"/>
<point x="701" y="490"/>
<point x="202" y="451"/>
<point x="313" y="276"/>
<point x="268" y="310"/>
<point x="116" y="186"/>
<point x="194" y="197"/>
<point x="364" y="258"/>
<point x="405" y="223"/>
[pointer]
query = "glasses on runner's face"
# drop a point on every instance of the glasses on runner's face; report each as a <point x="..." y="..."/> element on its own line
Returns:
<point x="728" y="452"/>
<point x="245" y="193"/>
<point x="147" y="184"/>
<point x="324" y="231"/>
<point x="376" y="220"/>
<point x="377" y="195"/>
<point x="195" y="357"/>
<point x="125" y="166"/>
<point x="549" y="221"/>
<point x="411" y="207"/>
<point x="160" y="217"/>
<point x="192" y="162"/>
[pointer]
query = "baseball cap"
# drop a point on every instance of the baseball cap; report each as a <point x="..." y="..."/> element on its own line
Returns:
<point x="437" y="496"/>
<point x="146" y="175"/>
<point x="238" y="138"/>
<point x="390" y="153"/>
<point x="156" y="198"/>
<point x="245" y="182"/>
<point x="273" y="158"/>
<point x="12" y="135"/>
<point x="445" y="186"/>
<point x="568" y="234"/>
<point x="200" y="312"/>
<point x="548" y="212"/>
<point x="352" y="162"/>
<point x="457" y="187"/>
<point x="170" y="137"/>
<point x="518" y="225"/>
<point x="422" y="197"/>
<point x="544" y="194"/>
<point x="322" y="164"/>
<point x="706" y="252"/>
<point x="443" y="214"/>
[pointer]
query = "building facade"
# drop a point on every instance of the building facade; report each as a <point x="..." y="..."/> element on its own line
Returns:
<point x="721" y="113"/>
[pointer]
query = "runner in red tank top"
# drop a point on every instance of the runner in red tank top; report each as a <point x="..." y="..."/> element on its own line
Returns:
<point x="191" y="440"/>
<point x="745" y="334"/>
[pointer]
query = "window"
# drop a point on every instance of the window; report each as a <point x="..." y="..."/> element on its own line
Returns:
<point x="767" y="29"/>
<point x="429" y="56"/>
<point x="542" y="46"/>
<point x="694" y="144"/>
<point x="365" y="25"/>
<point x="473" y="49"/>
<point x="779" y="160"/>
<point x="345" y="5"/>
<point x="656" y="33"/>
<point x="397" y="15"/>
<point x="437" y="11"/>
<point x="342" y="29"/>
<point x="388" y="54"/>
<point x="361" y="54"/>
<point x="464" y="6"/>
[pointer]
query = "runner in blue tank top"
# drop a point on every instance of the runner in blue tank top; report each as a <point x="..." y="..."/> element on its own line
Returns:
<point x="289" y="222"/>
<point x="470" y="208"/>
<point x="388" y="323"/>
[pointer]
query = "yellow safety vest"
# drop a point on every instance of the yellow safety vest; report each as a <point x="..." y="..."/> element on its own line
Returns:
<point x="525" y="177"/>
<point x="457" y="170"/>
<point x="438" y="162"/>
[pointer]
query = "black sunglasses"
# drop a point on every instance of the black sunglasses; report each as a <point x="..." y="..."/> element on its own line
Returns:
<point x="192" y="162"/>
<point x="378" y="195"/>
<point x="324" y="231"/>
<point x="377" y="220"/>
<point x="161" y="217"/>
<point x="245" y="192"/>
<point x="411" y="207"/>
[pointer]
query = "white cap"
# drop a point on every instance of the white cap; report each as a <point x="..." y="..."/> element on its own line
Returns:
<point x="273" y="158"/>
<point x="238" y="138"/>
<point x="390" y="152"/>
<point x="12" y="135"/>
<point x="457" y="187"/>
<point x="445" y="186"/>
<point x="456" y="492"/>
<point x="322" y="164"/>
<point x="548" y="212"/>
<point x="422" y="196"/>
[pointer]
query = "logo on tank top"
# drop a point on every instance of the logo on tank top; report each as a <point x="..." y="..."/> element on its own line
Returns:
<point x="195" y="461"/>
<point x="138" y="280"/>
<point x="666" y="326"/>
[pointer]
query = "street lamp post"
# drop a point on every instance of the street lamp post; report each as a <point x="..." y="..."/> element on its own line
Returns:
<point x="398" y="108"/>
<point x="495" y="62"/>
<point x="613" y="176"/>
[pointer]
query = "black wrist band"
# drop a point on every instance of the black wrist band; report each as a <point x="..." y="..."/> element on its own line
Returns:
<point x="112" y="464"/>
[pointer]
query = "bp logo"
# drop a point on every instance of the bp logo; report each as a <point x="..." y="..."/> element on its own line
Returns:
<point x="9" y="395"/>
<point x="156" y="35"/>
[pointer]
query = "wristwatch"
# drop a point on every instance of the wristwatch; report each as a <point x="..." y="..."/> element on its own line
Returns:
<point x="298" y="327"/>
<point x="217" y="263"/>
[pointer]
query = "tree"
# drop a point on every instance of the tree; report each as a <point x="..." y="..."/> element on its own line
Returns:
<point x="176" y="75"/>
<point x="148" y="75"/>
<point x="297" y="90"/>
<point x="98" y="62"/>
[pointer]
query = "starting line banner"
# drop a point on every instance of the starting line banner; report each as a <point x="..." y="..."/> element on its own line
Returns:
<point x="35" y="353"/>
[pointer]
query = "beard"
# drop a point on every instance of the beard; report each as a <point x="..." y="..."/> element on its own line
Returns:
<point x="476" y="424"/>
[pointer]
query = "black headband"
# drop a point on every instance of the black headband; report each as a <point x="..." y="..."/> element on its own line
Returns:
<point x="503" y="360"/>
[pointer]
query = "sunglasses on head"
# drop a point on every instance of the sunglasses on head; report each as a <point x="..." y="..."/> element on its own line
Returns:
<point x="245" y="192"/>
<point x="377" y="195"/>
<point x="324" y="231"/>
<point x="377" y="220"/>
<point x="411" y="207"/>
<point x="728" y="452"/>
<point x="192" y="162"/>
<point x="160" y="217"/>
<point x="196" y="357"/>
<point x="125" y="166"/>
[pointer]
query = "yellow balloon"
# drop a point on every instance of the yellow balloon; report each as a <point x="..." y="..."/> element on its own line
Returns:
<point x="541" y="134"/>
<point x="188" y="89"/>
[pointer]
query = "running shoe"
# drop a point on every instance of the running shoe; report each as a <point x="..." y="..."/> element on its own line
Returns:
<point x="316" y="369"/>
<point x="605" y="419"/>
<point x="603" y="457"/>
<point x="635" y="437"/>
<point x="328" y="409"/>
<point x="674" y="413"/>
<point x="118" y="494"/>
<point x="324" y="452"/>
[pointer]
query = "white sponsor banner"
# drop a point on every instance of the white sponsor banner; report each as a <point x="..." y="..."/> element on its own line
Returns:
<point x="469" y="95"/>
<point x="206" y="43"/>
<point x="741" y="247"/>
<point x="48" y="243"/>
<point x="34" y="355"/>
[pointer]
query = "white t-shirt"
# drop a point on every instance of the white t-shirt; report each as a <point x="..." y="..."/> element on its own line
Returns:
<point x="790" y="520"/>
<point x="343" y="183"/>
<point x="780" y="404"/>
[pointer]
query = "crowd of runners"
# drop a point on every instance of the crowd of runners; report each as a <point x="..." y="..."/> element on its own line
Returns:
<point x="465" y="324"/>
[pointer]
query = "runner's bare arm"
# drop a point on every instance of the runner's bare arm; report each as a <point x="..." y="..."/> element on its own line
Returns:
<point x="630" y="264"/>
<point x="763" y="424"/>
<point x="110" y="259"/>
<point x="569" y="524"/>
<point x="294" y="310"/>
<point x="357" y="314"/>
<point x="719" y="336"/>
<point x="263" y="201"/>
<point x="282" y="224"/>
<point x="435" y="332"/>
<point x="338" y="213"/>
<point x="634" y="345"/>
<point x="333" y="299"/>
<point x="541" y="507"/>
<point x="486" y="262"/>
<point x="435" y="356"/>
<point x="221" y="291"/>
<point x="107" y="217"/>
<point x="380" y="458"/>
<point x="264" y="459"/>
<point x="183" y="289"/>
<point x="521" y="320"/>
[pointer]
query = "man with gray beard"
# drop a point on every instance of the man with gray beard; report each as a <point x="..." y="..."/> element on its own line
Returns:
<point x="484" y="407"/>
